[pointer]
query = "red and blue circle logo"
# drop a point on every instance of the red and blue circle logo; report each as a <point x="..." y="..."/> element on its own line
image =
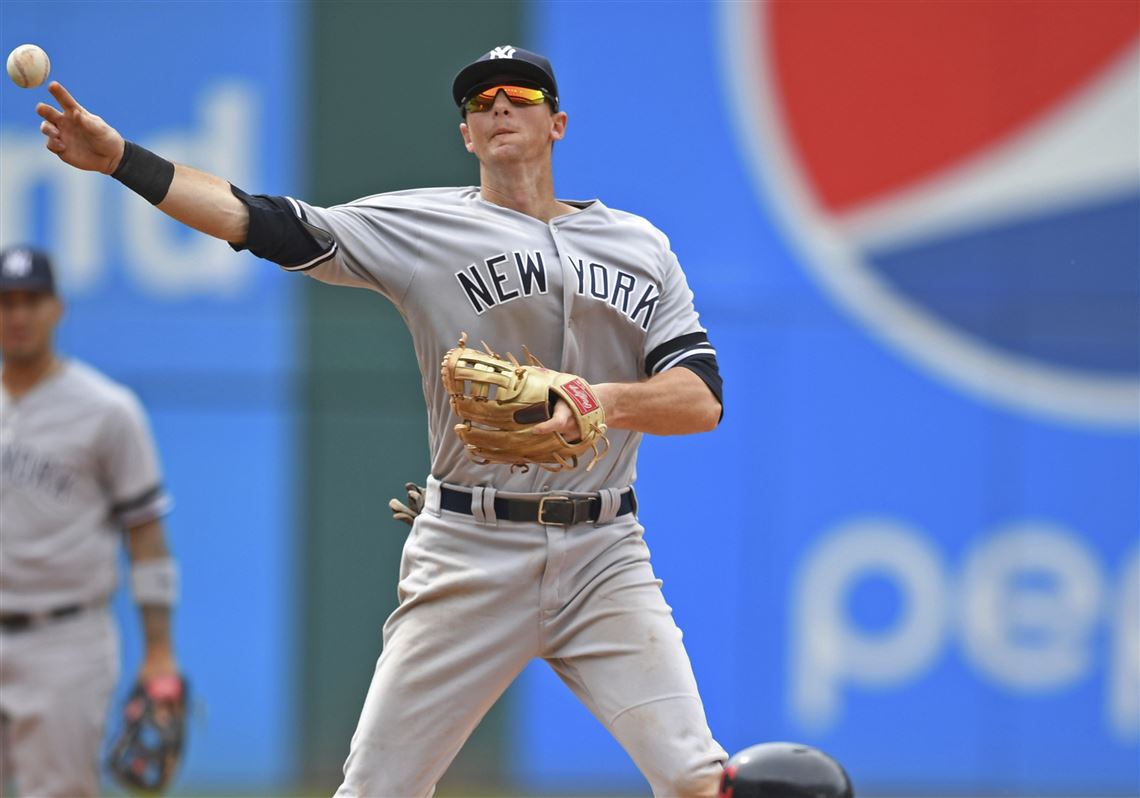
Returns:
<point x="964" y="178"/>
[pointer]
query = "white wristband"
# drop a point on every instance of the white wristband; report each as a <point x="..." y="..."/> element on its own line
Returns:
<point x="155" y="582"/>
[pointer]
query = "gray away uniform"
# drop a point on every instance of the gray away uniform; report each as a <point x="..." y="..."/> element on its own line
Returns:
<point x="597" y="293"/>
<point x="77" y="465"/>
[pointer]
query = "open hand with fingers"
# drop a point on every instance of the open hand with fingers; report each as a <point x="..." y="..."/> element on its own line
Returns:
<point x="77" y="136"/>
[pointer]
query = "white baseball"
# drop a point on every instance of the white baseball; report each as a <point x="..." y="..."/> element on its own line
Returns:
<point x="28" y="66"/>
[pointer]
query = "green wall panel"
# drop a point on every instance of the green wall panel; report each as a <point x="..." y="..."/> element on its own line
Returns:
<point x="381" y="119"/>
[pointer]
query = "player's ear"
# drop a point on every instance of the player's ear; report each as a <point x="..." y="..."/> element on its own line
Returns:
<point x="463" y="131"/>
<point x="558" y="126"/>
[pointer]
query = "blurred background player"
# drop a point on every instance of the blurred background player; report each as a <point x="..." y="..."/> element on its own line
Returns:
<point x="78" y="467"/>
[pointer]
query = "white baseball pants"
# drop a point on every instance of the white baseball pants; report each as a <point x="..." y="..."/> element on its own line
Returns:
<point x="55" y="685"/>
<point x="478" y="601"/>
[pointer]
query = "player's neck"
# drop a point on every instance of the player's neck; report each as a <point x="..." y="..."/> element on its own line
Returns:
<point x="523" y="188"/>
<point x="21" y="375"/>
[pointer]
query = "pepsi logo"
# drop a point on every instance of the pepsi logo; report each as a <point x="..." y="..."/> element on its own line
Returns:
<point x="964" y="179"/>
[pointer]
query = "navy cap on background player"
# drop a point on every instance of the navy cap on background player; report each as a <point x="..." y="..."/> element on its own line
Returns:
<point x="26" y="269"/>
<point x="501" y="61"/>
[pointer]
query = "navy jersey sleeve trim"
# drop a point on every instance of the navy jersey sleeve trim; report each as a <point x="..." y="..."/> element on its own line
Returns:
<point x="279" y="232"/>
<point x="148" y="505"/>
<point x="694" y="352"/>
<point x="672" y="352"/>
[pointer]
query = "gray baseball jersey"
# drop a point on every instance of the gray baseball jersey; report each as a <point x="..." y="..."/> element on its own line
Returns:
<point x="77" y="465"/>
<point x="594" y="293"/>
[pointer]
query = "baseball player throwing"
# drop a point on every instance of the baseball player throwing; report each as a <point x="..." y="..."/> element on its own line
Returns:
<point x="521" y="551"/>
<point x="77" y="467"/>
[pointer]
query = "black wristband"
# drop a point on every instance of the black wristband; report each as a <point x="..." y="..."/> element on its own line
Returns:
<point x="144" y="173"/>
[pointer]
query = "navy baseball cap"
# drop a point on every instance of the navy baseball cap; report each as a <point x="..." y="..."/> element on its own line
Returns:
<point x="506" y="60"/>
<point x="26" y="269"/>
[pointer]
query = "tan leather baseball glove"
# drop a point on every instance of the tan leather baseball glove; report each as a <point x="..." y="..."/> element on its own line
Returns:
<point x="498" y="402"/>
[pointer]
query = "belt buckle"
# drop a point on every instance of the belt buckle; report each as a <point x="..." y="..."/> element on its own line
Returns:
<point x="555" y="501"/>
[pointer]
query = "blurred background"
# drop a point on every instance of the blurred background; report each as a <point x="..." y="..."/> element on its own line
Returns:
<point x="913" y="231"/>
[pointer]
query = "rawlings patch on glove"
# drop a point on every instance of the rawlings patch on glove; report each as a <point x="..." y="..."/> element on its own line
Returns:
<point x="499" y="401"/>
<point x="146" y="753"/>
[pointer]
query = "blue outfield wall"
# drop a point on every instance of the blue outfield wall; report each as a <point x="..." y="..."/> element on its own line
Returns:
<point x="205" y="336"/>
<point x="913" y="539"/>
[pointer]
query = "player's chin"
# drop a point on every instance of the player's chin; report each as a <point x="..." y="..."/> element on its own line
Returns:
<point x="502" y="146"/>
<point x="509" y="152"/>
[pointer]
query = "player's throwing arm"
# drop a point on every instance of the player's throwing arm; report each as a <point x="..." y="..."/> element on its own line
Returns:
<point x="197" y="199"/>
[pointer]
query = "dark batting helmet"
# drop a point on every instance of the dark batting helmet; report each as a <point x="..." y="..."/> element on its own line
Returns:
<point x="784" y="770"/>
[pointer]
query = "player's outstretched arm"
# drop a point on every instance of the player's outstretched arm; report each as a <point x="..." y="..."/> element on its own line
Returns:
<point x="83" y="140"/>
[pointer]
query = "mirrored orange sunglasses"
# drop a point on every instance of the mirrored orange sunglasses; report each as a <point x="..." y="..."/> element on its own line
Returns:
<point x="518" y="95"/>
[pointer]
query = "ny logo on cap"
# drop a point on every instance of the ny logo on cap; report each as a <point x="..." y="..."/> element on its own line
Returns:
<point x="506" y="51"/>
<point x="17" y="264"/>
